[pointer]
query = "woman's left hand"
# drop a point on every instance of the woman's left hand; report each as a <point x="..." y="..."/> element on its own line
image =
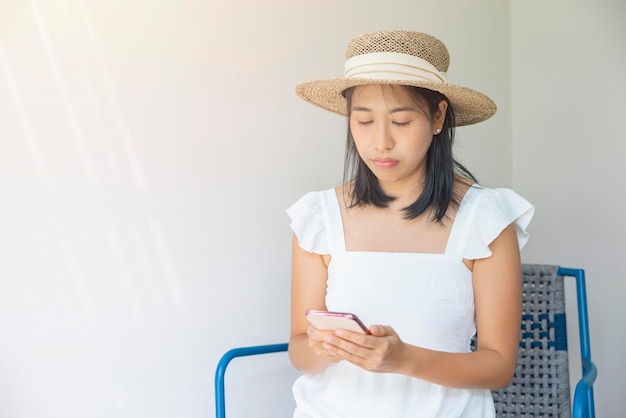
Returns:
<point x="381" y="351"/>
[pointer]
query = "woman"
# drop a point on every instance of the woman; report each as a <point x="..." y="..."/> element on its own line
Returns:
<point x="409" y="243"/>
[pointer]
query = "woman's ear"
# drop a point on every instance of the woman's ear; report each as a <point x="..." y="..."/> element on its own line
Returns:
<point x="440" y="116"/>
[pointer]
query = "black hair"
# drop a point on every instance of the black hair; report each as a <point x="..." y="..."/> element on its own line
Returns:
<point x="441" y="167"/>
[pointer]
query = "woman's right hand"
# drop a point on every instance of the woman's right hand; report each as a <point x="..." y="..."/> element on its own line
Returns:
<point x="316" y="343"/>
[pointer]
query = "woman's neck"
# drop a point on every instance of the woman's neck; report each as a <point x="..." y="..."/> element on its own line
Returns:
<point x="404" y="194"/>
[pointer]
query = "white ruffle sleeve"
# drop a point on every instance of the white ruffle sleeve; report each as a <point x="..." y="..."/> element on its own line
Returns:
<point x="496" y="209"/>
<point x="307" y="222"/>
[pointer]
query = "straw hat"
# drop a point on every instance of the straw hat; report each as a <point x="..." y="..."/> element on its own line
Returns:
<point x="401" y="58"/>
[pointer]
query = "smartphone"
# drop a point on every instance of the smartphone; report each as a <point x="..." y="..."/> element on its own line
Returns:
<point x="327" y="320"/>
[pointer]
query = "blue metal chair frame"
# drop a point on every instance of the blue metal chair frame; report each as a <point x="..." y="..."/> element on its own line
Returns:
<point x="220" y="401"/>
<point x="583" y="402"/>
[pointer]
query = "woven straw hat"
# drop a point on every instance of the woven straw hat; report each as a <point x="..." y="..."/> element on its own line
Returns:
<point x="400" y="58"/>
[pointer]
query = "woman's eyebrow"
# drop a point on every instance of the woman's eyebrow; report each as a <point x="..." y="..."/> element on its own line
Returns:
<point x="402" y="109"/>
<point x="395" y="110"/>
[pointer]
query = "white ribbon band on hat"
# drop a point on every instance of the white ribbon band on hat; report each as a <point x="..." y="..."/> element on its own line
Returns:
<point x="392" y="66"/>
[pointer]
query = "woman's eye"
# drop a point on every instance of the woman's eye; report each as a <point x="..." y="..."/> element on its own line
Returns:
<point x="366" y="122"/>
<point x="407" y="123"/>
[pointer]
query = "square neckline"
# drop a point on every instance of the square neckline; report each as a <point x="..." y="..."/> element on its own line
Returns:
<point x="457" y="231"/>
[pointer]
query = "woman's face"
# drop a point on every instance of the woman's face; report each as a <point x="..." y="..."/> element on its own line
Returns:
<point x="393" y="133"/>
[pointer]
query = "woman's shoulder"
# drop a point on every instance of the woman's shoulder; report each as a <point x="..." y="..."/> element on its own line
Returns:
<point x="490" y="211"/>
<point x="308" y="219"/>
<point x="488" y="196"/>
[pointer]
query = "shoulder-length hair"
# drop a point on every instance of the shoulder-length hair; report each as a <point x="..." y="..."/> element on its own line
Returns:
<point x="441" y="167"/>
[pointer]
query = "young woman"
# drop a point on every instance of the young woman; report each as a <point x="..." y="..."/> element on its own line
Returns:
<point x="409" y="243"/>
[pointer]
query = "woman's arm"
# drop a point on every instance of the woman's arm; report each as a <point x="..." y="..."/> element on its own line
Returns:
<point x="497" y="294"/>
<point x="498" y="297"/>
<point x="308" y="291"/>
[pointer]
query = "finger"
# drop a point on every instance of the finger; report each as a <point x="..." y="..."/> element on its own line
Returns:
<point x="381" y="330"/>
<point x="317" y="334"/>
<point x="377" y="330"/>
<point x="346" y="349"/>
<point x="350" y="343"/>
<point x="341" y="353"/>
<point x="353" y="337"/>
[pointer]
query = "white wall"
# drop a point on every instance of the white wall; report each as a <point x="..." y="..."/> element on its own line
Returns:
<point x="569" y="141"/>
<point x="148" y="151"/>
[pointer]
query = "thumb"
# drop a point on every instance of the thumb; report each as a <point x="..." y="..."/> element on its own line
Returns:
<point x="378" y="330"/>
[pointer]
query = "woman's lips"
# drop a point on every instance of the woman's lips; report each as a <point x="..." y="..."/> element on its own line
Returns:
<point x="385" y="162"/>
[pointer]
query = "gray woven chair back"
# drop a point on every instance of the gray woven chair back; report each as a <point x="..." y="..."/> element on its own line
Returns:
<point x="540" y="387"/>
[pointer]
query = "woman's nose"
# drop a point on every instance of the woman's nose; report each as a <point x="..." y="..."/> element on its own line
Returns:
<point x="384" y="139"/>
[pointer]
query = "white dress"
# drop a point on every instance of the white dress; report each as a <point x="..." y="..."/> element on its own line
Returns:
<point x="427" y="298"/>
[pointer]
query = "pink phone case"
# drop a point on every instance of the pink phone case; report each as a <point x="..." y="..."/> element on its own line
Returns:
<point x="327" y="320"/>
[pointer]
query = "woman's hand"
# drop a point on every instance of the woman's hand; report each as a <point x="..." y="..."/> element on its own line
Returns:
<point x="317" y="338"/>
<point x="382" y="351"/>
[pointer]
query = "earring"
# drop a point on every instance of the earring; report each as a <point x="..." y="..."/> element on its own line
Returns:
<point x="437" y="131"/>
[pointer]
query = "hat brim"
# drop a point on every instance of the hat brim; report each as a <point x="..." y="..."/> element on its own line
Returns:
<point x="470" y="106"/>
